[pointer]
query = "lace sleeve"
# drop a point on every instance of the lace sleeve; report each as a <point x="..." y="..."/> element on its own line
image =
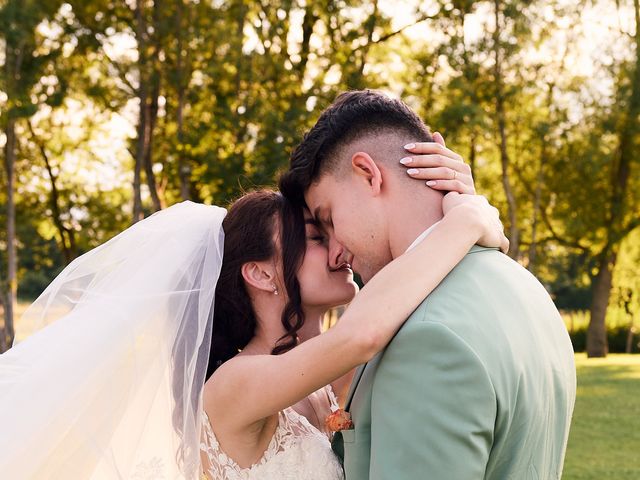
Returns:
<point x="333" y="399"/>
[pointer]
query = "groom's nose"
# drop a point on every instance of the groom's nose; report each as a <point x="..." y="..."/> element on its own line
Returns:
<point x="338" y="255"/>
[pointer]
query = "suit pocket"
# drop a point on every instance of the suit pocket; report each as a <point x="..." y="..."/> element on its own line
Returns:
<point x="357" y="454"/>
<point x="348" y="436"/>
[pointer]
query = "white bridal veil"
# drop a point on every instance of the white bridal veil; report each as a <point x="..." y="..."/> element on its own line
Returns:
<point x="111" y="387"/>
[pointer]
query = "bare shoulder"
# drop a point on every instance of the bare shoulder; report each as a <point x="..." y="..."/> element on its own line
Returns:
<point x="225" y="377"/>
<point x="222" y="389"/>
<point x="223" y="395"/>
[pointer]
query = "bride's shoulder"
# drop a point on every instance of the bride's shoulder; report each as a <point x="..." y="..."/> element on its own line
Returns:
<point x="227" y="380"/>
<point x="223" y="400"/>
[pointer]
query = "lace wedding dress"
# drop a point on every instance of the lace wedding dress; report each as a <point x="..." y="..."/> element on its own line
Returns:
<point x="297" y="450"/>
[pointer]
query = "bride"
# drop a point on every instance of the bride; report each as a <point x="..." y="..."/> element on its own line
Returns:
<point x="113" y="386"/>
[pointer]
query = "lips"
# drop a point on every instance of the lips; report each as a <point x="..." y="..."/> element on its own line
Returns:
<point x="343" y="267"/>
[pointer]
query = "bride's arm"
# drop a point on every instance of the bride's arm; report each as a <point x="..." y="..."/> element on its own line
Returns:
<point x="254" y="387"/>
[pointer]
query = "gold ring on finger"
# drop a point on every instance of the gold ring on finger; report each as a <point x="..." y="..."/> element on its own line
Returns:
<point x="455" y="174"/>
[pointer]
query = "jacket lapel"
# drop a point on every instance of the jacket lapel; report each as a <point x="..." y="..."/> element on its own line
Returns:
<point x="354" y="384"/>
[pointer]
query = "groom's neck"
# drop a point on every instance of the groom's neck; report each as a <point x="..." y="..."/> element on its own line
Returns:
<point x="410" y="216"/>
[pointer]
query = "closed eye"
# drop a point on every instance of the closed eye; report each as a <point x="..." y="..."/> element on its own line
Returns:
<point x="318" y="238"/>
<point x="324" y="218"/>
<point x="314" y="232"/>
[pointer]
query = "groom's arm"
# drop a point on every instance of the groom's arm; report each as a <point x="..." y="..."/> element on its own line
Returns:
<point x="433" y="408"/>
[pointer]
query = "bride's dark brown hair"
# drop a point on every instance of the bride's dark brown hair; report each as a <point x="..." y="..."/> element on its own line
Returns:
<point x="249" y="229"/>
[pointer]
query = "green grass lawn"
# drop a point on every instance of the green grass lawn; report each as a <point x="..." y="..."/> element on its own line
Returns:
<point x="604" y="443"/>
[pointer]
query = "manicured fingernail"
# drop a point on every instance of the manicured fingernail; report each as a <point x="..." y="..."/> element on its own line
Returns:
<point x="406" y="160"/>
<point x="409" y="146"/>
<point x="413" y="171"/>
<point x="431" y="183"/>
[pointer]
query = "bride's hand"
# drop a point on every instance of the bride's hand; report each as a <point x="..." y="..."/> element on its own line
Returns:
<point x="434" y="162"/>
<point x="475" y="210"/>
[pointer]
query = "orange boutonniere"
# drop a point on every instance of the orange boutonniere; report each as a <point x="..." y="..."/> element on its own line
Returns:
<point x="338" y="420"/>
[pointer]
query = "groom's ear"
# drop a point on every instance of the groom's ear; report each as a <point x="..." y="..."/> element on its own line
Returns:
<point x="365" y="168"/>
<point x="259" y="275"/>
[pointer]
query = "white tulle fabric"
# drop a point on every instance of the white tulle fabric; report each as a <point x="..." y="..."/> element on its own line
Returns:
<point x="110" y="386"/>
<point x="297" y="450"/>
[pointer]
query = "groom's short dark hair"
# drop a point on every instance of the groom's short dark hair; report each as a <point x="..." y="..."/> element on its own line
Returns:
<point x="352" y="116"/>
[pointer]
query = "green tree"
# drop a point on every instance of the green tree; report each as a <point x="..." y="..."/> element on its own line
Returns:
<point x="27" y="59"/>
<point x="622" y="205"/>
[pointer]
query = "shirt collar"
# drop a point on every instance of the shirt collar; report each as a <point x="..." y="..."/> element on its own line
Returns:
<point x="421" y="237"/>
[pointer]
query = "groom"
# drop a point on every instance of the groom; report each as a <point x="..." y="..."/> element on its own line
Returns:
<point x="480" y="382"/>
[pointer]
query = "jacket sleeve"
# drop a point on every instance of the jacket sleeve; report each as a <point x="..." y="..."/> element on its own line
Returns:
<point x="433" y="408"/>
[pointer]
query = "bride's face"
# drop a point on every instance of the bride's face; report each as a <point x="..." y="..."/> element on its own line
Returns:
<point x="320" y="285"/>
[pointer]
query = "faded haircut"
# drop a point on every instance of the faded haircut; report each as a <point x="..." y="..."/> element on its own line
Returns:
<point x="352" y="116"/>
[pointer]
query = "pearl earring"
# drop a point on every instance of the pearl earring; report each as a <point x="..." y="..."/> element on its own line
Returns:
<point x="275" y="290"/>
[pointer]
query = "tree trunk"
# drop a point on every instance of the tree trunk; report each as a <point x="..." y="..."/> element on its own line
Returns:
<point x="370" y="26"/>
<point x="597" y="344"/>
<point x="533" y="248"/>
<point x="242" y="72"/>
<point x="137" y="199"/>
<point x="184" y="169"/>
<point x="473" y="153"/>
<point x="150" y="123"/>
<point x="632" y="330"/>
<point x="537" y="196"/>
<point x="308" y="23"/>
<point x="514" y="232"/>
<point x="67" y="235"/>
<point x="630" y="334"/>
<point x="354" y="78"/>
<point x="617" y="230"/>
<point x="4" y="344"/>
<point x="14" y="54"/>
<point x="142" y="111"/>
<point x="151" y="107"/>
<point x="471" y="93"/>
<point x="240" y="14"/>
<point x="11" y="299"/>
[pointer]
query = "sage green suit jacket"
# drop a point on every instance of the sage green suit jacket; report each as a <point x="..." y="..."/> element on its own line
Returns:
<point x="479" y="383"/>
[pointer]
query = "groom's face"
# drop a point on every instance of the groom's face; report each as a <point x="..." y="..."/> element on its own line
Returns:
<point x="351" y="221"/>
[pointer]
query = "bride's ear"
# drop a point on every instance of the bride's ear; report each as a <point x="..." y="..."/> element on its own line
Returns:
<point x="365" y="167"/>
<point x="260" y="275"/>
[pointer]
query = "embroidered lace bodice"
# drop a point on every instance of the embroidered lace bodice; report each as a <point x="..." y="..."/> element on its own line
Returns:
<point x="297" y="450"/>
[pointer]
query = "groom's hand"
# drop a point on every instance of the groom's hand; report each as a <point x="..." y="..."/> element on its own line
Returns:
<point x="442" y="168"/>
